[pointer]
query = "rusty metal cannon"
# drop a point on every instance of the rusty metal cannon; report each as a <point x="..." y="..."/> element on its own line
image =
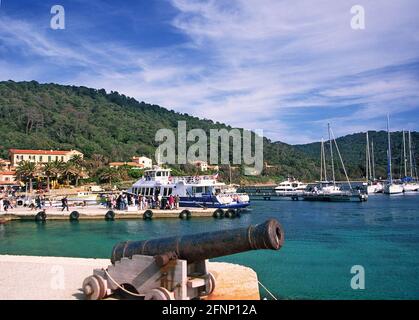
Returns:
<point x="176" y="267"/>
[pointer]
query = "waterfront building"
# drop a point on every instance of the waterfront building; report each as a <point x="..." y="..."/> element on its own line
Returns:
<point x="7" y="178"/>
<point x="41" y="156"/>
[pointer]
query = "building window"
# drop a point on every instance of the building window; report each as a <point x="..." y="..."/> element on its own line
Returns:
<point x="40" y="158"/>
<point x="49" y="158"/>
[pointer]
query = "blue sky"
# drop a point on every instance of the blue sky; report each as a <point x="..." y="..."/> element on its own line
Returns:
<point x="287" y="67"/>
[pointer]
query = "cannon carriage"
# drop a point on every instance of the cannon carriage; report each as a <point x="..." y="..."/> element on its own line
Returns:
<point x="176" y="267"/>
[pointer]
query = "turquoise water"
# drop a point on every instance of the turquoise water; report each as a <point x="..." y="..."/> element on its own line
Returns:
<point x="323" y="241"/>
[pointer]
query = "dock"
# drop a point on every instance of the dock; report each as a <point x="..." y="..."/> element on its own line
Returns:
<point x="99" y="213"/>
<point x="61" y="278"/>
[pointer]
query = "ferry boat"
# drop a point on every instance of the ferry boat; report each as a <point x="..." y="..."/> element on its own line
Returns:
<point x="193" y="191"/>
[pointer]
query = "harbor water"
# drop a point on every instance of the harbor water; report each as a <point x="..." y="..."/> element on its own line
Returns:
<point x="322" y="242"/>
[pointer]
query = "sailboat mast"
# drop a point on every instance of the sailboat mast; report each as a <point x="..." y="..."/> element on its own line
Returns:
<point x="331" y="155"/>
<point x="410" y="155"/>
<point x="390" y="177"/>
<point x="321" y="160"/>
<point x="404" y="155"/>
<point x="229" y="171"/>
<point x="372" y="160"/>
<point x="368" y="160"/>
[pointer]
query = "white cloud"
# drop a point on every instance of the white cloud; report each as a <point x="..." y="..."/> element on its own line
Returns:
<point x="252" y="60"/>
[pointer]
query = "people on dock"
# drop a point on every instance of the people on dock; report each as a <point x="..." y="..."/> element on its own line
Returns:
<point x="171" y="202"/>
<point x="64" y="202"/>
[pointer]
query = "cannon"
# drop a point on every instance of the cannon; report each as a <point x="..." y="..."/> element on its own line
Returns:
<point x="176" y="268"/>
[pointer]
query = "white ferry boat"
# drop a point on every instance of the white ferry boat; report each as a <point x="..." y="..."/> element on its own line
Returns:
<point x="193" y="191"/>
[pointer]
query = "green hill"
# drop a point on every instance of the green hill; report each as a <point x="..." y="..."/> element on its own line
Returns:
<point x="51" y="116"/>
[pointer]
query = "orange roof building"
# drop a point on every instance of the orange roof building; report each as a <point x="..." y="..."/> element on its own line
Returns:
<point x="41" y="156"/>
<point x="130" y="164"/>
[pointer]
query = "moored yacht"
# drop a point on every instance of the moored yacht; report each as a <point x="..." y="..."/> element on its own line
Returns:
<point x="374" y="187"/>
<point x="410" y="184"/>
<point x="390" y="187"/>
<point x="193" y="191"/>
<point x="290" y="187"/>
<point x="326" y="190"/>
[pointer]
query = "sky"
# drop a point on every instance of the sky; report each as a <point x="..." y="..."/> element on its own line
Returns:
<point x="287" y="67"/>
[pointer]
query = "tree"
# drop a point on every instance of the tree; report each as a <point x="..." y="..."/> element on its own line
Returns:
<point x="57" y="168"/>
<point x="27" y="170"/>
<point x="78" y="160"/>
<point x="109" y="174"/>
<point x="48" y="170"/>
<point x="69" y="169"/>
<point x="78" y="167"/>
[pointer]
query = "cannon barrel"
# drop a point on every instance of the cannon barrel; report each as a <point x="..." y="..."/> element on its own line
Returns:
<point x="197" y="247"/>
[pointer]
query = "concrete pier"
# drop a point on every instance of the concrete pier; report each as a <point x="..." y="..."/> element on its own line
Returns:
<point x="97" y="212"/>
<point x="60" y="278"/>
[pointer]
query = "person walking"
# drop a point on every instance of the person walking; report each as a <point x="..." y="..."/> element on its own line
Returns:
<point x="38" y="202"/>
<point x="64" y="202"/>
<point x="177" y="201"/>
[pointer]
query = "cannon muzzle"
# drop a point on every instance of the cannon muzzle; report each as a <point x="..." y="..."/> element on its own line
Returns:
<point x="202" y="246"/>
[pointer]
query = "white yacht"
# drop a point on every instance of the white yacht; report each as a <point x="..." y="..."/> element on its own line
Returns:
<point x="290" y="187"/>
<point x="193" y="191"/>
<point x="374" y="187"/>
<point x="390" y="187"/>
<point x="326" y="190"/>
<point x="410" y="184"/>
<point x="410" y="187"/>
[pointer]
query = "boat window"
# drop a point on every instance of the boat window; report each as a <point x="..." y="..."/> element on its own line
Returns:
<point x="158" y="173"/>
<point x="197" y="189"/>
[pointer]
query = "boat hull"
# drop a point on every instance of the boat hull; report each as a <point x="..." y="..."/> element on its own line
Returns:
<point x="210" y="202"/>
<point x="334" y="197"/>
<point x="393" y="189"/>
<point x="411" y="187"/>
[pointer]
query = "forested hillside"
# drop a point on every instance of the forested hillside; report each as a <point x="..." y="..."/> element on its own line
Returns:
<point x="51" y="116"/>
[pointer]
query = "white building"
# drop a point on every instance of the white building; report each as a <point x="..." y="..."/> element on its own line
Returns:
<point x="146" y="162"/>
<point x="201" y="165"/>
<point x="41" y="156"/>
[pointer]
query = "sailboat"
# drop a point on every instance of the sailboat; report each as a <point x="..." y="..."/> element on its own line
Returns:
<point x="373" y="186"/>
<point x="409" y="183"/>
<point x="390" y="187"/>
<point x="328" y="190"/>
